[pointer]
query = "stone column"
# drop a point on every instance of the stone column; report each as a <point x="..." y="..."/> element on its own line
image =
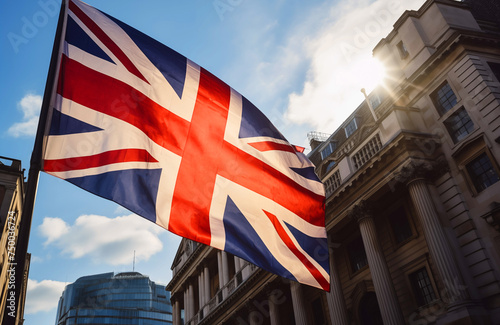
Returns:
<point x="173" y="302"/>
<point x="254" y="317"/>
<point x="298" y="303"/>
<point x="219" y="268"/>
<point x="225" y="272"/>
<point x="237" y="268"/>
<point x="245" y="269"/>
<point x="335" y="298"/>
<point x="191" y="300"/>
<point x="221" y="273"/>
<point x="382" y="282"/>
<point x="274" y="315"/>
<point x="206" y="282"/>
<point x="236" y="264"/>
<point x="201" y="287"/>
<point x="186" y="306"/>
<point x="176" y="313"/>
<point x="225" y="267"/>
<point x="439" y="248"/>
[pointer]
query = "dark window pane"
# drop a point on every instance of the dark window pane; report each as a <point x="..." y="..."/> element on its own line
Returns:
<point x="422" y="287"/>
<point x="481" y="172"/>
<point x="357" y="254"/>
<point x="400" y="225"/>
<point x="328" y="150"/>
<point x="459" y="125"/>
<point x="444" y="98"/>
<point x="403" y="52"/>
<point x="330" y="166"/>
<point x="495" y="68"/>
<point x="350" y="128"/>
<point x="375" y="101"/>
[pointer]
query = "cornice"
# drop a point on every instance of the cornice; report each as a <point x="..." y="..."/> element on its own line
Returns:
<point x="382" y="171"/>
<point x="238" y="293"/>
<point x="414" y="14"/>
<point x="403" y="141"/>
<point x="182" y="272"/>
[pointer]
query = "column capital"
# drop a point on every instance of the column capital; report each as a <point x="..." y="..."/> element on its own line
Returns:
<point x="10" y="186"/>
<point x="205" y="262"/>
<point x="363" y="209"/>
<point x="176" y="295"/>
<point x="420" y="169"/>
<point x="199" y="269"/>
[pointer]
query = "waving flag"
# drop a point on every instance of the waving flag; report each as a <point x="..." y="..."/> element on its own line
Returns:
<point x="137" y="123"/>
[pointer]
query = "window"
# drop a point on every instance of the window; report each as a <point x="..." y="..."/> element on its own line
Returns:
<point x="331" y="164"/>
<point x="400" y="224"/>
<point x="375" y="101"/>
<point x="369" y="150"/>
<point x="444" y="98"/>
<point x="2" y="193"/>
<point x="481" y="172"/>
<point x="357" y="254"/>
<point x="350" y="128"/>
<point x="422" y="287"/>
<point x="403" y="52"/>
<point x="329" y="149"/>
<point x="459" y="124"/>
<point x="495" y="68"/>
<point x="332" y="183"/>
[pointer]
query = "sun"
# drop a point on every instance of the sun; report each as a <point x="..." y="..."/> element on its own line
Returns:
<point x="371" y="73"/>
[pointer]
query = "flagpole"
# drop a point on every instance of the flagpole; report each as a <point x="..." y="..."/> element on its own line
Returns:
<point x="19" y="265"/>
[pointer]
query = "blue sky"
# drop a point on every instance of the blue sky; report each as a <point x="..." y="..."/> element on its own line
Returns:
<point x="302" y="63"/>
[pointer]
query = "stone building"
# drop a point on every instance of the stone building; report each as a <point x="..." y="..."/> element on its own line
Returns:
<point x="412" y="194"/>
<point x="12" y="187"/>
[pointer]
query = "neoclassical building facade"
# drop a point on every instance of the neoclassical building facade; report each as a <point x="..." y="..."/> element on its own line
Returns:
<point x="12" y="187"/>
<point x="412" y="194"/>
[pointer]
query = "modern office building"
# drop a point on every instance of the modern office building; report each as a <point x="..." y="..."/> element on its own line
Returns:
<point x="12" y="188"/>
<point x="125" y="298"/>
<point x="412" y="194"/>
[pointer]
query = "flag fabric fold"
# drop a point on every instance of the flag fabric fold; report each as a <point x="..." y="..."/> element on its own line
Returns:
<point x="135" y="122"/>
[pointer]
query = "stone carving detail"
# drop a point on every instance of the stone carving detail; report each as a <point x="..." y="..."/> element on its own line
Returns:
<point x="493" y="216"/>
<point x="415" y="169"/>
<point x="363" y="209"/>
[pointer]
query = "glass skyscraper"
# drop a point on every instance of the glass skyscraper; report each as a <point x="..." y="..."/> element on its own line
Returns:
<point x="125" y="298"/>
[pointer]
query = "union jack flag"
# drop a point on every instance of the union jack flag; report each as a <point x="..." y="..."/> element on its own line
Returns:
<point x="137" y="123"/>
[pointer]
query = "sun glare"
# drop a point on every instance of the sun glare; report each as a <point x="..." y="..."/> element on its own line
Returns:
<point x="371" y="73"/>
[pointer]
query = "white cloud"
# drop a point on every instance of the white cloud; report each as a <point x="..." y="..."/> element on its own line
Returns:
<point x="340" y="61"/>
<point x="53" y="228"/>
<point x="104" y="240"/>
<point x="307" y="74"/>
<point x="43" y="296"/>
<point x="30" y="106"/>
